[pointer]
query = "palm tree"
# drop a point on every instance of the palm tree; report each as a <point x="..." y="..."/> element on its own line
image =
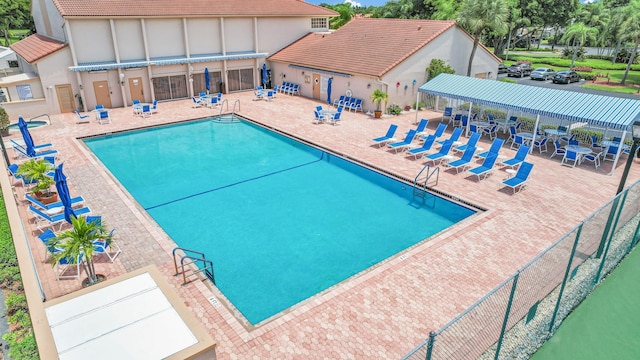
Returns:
<point x="631" y="28"/>
<point x="476" y="15"/>
<point x="581" y="33"/>
<point x="79" y="241"/>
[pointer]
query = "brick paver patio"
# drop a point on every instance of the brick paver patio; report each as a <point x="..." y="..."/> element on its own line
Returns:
<point x="383" y="312"/>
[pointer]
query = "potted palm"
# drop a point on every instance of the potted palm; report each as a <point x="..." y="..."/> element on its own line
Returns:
<point x="378" y="96"/>
<point x="79" y="241"/>
<point x="38" y="171"/>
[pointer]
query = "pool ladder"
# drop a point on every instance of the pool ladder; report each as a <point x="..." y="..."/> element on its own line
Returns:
<point x="419" y="186"/>
<point x="189" y="261"/>
<point x="233" y="112"/>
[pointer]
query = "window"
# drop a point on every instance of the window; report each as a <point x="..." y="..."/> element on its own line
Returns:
<point x="13" y="63"/>
<point x="24" y="92"/>
<point x="319" y="23"/>
<point x="170" y="87"/>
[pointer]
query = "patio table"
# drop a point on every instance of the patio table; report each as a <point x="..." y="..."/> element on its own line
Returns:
<point x="504" y="124"/>
<point x="555" y="133"/>
<point x="480" y="125"/>
<point x="580" y="150"/>
<point x="528" y="137"/>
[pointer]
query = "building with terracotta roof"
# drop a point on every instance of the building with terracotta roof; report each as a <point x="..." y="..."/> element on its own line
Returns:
<point x="387" y="54"/>
<point x="109" y="52"/>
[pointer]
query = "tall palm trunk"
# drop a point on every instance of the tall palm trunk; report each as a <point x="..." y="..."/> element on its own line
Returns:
<point x="631" y="57"/>
<point x="615" y="53"/>
<point x="476" y="41"/>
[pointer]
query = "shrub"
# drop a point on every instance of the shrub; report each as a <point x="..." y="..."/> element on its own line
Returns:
<point x="582" y="69"/>
<point x="507" y="80"/>
<point x="567" y="53"/>
<point x="586" y="75"/>
<point x="599" y="57"/>
<point x="437" y="67"/>
<point x="418" y="105"/>
<point x="394" y="110"/>
<point x="623" y="57"/>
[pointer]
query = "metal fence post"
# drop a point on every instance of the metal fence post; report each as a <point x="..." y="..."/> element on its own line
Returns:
<point x="607" y="227"/>
<point x="506" y="315"/>
<point x="613" y="229"/>
<point x="566" y="277"/>
<point x="432" y="338"/>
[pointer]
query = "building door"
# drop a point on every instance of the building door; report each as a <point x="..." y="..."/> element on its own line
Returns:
<point x="317" y="85"/>
<point x="135" y="88"/>
<point x="65" y="98"/>
<point x="170" y="87"/>
<point x="240" y="80"/>
<point x="103" y="96"/>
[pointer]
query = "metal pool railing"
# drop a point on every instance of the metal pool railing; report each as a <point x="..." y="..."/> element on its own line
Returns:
<point x="519" y="315"/>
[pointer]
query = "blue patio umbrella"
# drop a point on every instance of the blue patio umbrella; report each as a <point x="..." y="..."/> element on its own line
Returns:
<point x="264" y="75"/>
<point x="207" y="79"/>
<point x="329" y="90"/>
<point x="63" y="192"/>
<point x="26" y="136"/>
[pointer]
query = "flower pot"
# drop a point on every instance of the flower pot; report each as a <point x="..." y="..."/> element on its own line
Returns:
<point x="43" y="198"/>
<point x="99" y="277"/>
<point x="377" y="114"/>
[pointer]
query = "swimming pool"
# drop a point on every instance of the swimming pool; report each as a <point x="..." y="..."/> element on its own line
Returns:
<point x="281" y="220"/>
<point x="30" y="124"/>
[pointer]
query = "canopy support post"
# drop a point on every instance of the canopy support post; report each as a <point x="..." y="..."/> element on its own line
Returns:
<point x="615" y="160"/>
<point x="535" y="132"/>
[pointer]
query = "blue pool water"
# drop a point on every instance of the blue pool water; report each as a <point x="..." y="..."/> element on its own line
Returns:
<point x="281" y="220"/>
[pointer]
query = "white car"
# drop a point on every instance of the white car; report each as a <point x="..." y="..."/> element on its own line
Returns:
<point x="542" y="74"/>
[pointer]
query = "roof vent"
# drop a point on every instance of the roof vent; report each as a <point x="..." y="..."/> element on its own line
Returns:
<point x="419" y="27"/>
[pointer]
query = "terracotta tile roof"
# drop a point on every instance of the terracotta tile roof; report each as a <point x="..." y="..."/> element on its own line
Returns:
<point x="35" y="47"/>
<point x="363" y="46"/>
<point x="138" y="8"/>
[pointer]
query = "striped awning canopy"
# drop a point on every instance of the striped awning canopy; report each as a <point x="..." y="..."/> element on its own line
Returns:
<point x="171" y="60"/>
<point x="598" y="110"/>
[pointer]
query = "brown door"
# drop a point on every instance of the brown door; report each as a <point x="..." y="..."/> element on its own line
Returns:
<point x="103" y="96"/>
<point x="317" y="85"/>
<point x="135" y="87"/>
<point x="65" y="98"/>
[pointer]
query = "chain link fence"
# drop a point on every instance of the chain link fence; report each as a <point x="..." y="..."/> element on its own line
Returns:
<point x="522" y="313"/>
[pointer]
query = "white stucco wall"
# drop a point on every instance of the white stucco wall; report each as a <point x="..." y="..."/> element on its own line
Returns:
<point x="165" y="37"/>
<point x="92" y="40"/>
<point x="239" y="34"/>
<point x="129" y="39"/>
<point x="273" y="36"/>
<point x="54" y="70"/>
<point x="204" y="36"/>
<point x="43" y="12"/>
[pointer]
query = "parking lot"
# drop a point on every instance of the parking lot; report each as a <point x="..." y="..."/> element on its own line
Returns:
<point x="577" y="86"/>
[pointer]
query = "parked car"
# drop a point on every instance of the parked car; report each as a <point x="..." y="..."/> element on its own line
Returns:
<point x="542" y="74"/>
<point x="519" y="70"/>
<point x="502" y="68"/>
<point x="566" y="77"/>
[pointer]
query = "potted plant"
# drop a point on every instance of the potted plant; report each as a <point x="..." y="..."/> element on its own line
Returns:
<point x="378" y="96"/>
<point x="79" y="242"/>
<point x="38" y="171"/>
<point x="4" y="122"/>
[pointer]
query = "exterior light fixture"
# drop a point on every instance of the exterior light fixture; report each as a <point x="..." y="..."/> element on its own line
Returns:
<point x="121" y="79"/>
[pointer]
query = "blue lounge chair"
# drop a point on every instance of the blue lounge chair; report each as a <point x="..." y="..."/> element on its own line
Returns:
<point x="426" y="146"/>
<point x="44" y="220"/>
<point x="64" y="265"/>
<point x="13" y="170"/>
<point x="154" y="106"/>
<point x="81" y="118"/>
<point x="520" y="178"/>
<point x="397" y="146"/>
<point x="440" y="130"/>
<point x="472" y="142"/>
<point x="455" y="135"/>
<point x="196" y="102"/>
<point x="441" y="154"/>
<point x="24" y="148"/>
<point x="104" y="118"/>
<point x="23" y="153"/>
<point x="422" y="126"/>
<point x="146" y="111"/>
<point x="486" y="168"/>
<point x="52" y="206"/>
<point x="519" y="158"/>
<point x="494" y="149"/>
<point x="388" y="137"/>
<point x="463" y="162"/>
<point x="46" y="238"/>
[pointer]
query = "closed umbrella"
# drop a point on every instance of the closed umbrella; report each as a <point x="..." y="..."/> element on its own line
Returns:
<point x="63" y="192"/>
<point x="329" y="90"/>
<point x="26" y="136"/>
<point x="264" y="75"/>
<point x="207" y="79"/>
